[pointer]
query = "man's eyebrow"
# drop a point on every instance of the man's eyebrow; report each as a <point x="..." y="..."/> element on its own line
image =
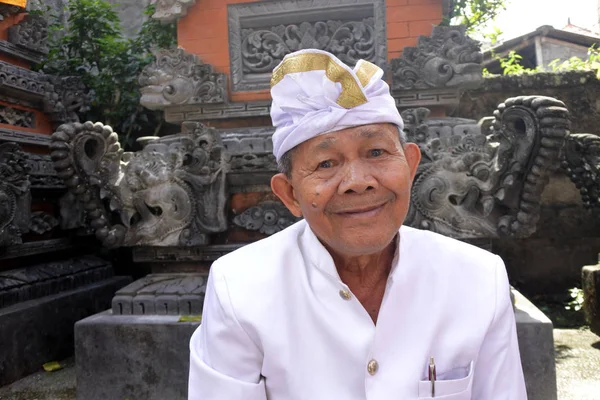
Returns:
<point x="325" y="143"/>
<point x="370" y="133"/>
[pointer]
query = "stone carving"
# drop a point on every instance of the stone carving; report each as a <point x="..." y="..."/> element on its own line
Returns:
<point x="37" y="247"/>
<point x="22" y="83"/>
<point x="12" y="135"/>
<point x="486" y="179"/>
<point x="179" y="78"/>
<point x="582" y="165"/>
<point x="177" y="115"/>
<point x="268" y="217"/>
<point x="46" y="279"/>
<point x="42" y="222"/>
<point x="65" y="97"/>
<point x="198" y="254"/>
<point x="264" y="49"/>
<point x="31" y="33"/>
<point x="171" y="10"/>
<point x="171" y="193"/>
<point x="42" y="174"/>
<point x="15" y="197"/>
<point x="251" y="149"/>
<point x="162" y="294"/>
<point x="448" y="58"/>
<point x="262" y="33"/>
<point x="16" y="117"/>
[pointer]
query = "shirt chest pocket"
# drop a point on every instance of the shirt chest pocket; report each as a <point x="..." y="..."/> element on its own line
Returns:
<point x="452" y="385"/>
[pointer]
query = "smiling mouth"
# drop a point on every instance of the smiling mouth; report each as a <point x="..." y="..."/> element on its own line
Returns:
<point x="362" y="211"/>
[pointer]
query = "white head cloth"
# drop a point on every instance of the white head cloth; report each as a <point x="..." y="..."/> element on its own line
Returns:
<point x="315" y="93"/>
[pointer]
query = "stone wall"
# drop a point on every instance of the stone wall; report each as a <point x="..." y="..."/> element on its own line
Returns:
<point x="130" y="12"/>
<point x="568" y="235"/>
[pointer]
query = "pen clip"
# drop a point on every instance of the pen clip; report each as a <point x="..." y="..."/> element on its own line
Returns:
<point x="432" y="375"/>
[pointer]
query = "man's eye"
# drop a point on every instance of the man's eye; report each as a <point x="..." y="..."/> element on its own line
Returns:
<point x="376" y="152"/>
<point x="325" y="164"/>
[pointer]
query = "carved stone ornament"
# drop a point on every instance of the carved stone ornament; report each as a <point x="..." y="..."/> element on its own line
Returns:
<point x="17" y="117"/>
<point x="31" y="33"/>
<point x="268" y="217"/>
<point x="262" y="33"/>
<point x="171" y="10"/>
<point x="446" y="59"/>
<point x="485" y="179"/>
<point x="42" y="174"/>
<point x="162" y="294"/>
<point x="15" y="197"/>
<point x="42" y="222"/>
<point x="65" y="97"/>
<point x="22" y="83"/>
<point x="582" y="165"/>
<point x="178" y="78"/>
<point x="251" y="149"/>
<point x="171" y="193"/>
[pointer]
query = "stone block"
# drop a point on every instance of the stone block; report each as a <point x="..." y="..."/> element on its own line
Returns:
<point x="136" y="357"/>
<point x="41" y="330"/>
<point x="590" y="276"/>
<point x="536" y="343"/>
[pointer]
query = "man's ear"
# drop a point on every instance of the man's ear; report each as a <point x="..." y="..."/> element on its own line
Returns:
<point x="282" y="187"/>
<point x="412" y="153"/>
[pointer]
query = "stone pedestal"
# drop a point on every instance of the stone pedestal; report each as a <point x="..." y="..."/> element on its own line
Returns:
<point x="590" y="277"/>
<point x="40" y="329"/>
<point x="125" y="353"/>
<point x="536" y="343"/>
<point x="135" y="357"/>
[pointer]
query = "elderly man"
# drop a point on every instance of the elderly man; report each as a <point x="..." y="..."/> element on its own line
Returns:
<point x="349" y="304"/>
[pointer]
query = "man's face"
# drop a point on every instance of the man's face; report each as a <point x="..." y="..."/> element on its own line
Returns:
<point x="351" y="186"/>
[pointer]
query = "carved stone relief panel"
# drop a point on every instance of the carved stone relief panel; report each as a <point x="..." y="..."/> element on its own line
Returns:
<point x="582" y="165"/>
<point x="262" y="33"/>
<point x="15" y="197"/>
<point x="268" y="217"/>
<point x="171" y="10"/>
<point x="446" y="59"/>
<point x="177" y="78"/>
<point x="42" y="174"/>
<point x="162" y="294"/>
<point x="16" y="117"/>
<point x="31" y="33"/>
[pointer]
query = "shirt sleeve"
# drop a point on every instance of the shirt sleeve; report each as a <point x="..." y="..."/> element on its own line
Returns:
<point x="225" y="363"/>
<point x="498" y="373"/>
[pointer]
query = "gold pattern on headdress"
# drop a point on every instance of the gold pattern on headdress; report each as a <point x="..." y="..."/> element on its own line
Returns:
<point x="352" y="94"/>
<point x="365" y="72"/>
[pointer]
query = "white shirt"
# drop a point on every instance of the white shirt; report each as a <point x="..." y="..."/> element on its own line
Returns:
<point x="275" y="325"/>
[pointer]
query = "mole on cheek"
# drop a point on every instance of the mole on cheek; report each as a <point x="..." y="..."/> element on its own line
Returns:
<point x="314" y="205"/>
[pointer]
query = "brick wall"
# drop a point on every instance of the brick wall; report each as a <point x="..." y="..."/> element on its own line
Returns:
<point x="204" y="32"/>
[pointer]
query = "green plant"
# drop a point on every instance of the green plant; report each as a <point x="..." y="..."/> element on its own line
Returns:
<point x="511" y="65"/>
<point x="475" y="13"/>
<point x="93" y="48"/>
<point x="577" y="299"/>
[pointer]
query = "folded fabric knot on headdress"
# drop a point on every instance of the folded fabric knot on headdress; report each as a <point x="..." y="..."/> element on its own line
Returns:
<point x="314" y="93"/>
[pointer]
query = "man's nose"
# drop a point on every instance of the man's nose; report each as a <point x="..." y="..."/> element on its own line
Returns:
<point x="358" y="178"/>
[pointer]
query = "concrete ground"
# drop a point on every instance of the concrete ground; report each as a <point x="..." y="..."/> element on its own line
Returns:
<point x="577" y="370"/>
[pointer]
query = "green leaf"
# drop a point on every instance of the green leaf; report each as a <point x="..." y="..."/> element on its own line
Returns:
<point x="190" y="318"/>
<point x="52" y="366"/>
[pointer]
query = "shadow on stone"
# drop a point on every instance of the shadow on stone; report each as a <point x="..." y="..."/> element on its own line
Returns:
<point x="562" y="352"/>
<point x="596" y="345"/>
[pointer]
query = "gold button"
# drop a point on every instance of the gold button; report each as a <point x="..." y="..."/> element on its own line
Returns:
<point x="344" y="294"/>
<point x="372" y="367"/>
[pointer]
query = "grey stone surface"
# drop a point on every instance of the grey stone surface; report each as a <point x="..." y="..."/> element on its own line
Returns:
<point x="582" y="165"/>
<point x="262" y="33"/>
<point x="15" y="197"/>
<point x="134" y="357"/>
<point x="534" y="331"/>
<point x="577" y="364"/>
<point x="590" y="277"/>
<point x="177" y="78"/>
<point x="171" y="10"/>
<point x="447" y="58"/>
<point x="162" y="294"/>
<point x="171" y="193"/>
<point x="41" y="330"/>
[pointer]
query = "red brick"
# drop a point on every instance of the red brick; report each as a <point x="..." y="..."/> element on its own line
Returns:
<point x="413" y="2"/>
<point x="394" y="54"/>
<point x="397" y="30"/>
<point x="395" y="45"/>
<point x="418" y="28"/>
<point x="426" y="12"/>
<point x="206" y="45"/>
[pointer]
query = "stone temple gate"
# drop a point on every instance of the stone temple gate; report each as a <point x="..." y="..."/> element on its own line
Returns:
<point x="186" y="199"/>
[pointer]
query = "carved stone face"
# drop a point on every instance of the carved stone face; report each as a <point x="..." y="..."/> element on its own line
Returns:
<point x="473" y="184"/>
<point x="347" y="182"/>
